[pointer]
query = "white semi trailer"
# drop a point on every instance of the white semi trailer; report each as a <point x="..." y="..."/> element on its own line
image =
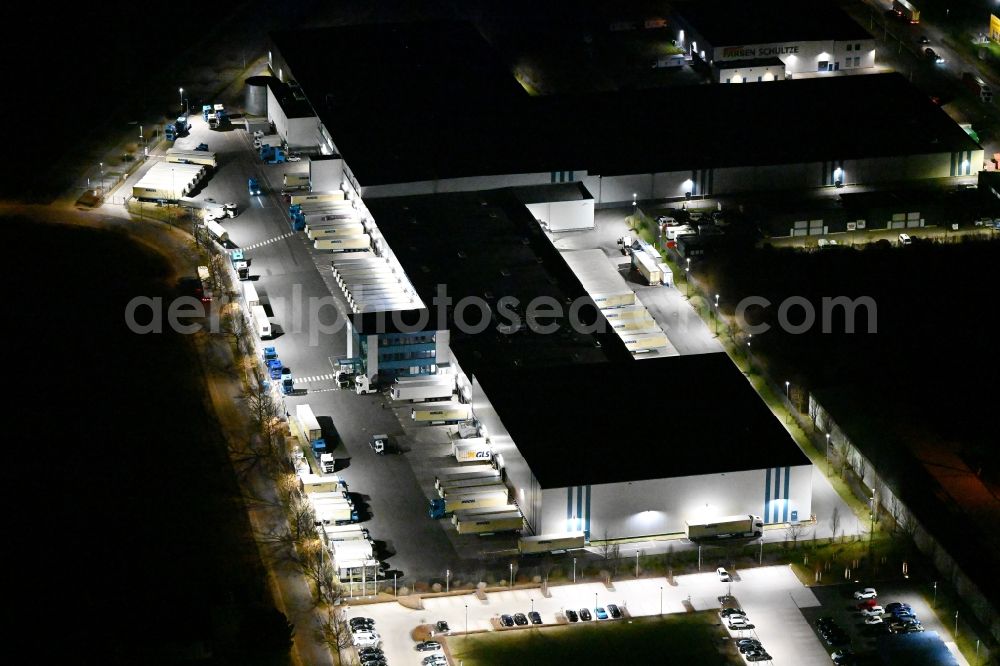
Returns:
<point x="441" y="412"/>
<point x="745" y="525"/>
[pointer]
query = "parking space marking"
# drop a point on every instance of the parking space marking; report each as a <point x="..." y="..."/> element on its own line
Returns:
<point x="262" y="243"/>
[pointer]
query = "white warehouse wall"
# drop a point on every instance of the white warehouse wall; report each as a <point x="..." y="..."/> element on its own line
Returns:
<point x="661" y="506"/>
<point x="302" y="133"/>
<point x="565" y="215"/>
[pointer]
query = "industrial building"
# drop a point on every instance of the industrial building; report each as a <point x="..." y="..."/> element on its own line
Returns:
<point x="806" y="37"/>
<point x="573" y="421"/>
<point x="391" y="122"/>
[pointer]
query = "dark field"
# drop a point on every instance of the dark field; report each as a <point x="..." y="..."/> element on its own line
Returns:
<point x="138" y="549"/>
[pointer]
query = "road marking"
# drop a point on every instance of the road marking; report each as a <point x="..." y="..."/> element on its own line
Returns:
<point x="268" y="241"/>
<point x="314" y="378"/>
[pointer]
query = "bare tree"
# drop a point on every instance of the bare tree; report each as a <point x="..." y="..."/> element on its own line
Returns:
<point x="264" y="447"/>
<point x="793" y="532"/>
<point x="834" y="523"/>
<point x="333" y="631"/>
<point x="235" y="326"/>
<point x="843" y="449"/>
<point x="611" y="553"/>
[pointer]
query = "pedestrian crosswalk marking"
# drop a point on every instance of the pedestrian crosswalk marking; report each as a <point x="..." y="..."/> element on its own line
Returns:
<point x="314" y="378"/>
<point x="268" y="241"/>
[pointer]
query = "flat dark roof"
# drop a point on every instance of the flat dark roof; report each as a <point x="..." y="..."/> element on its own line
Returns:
<point x="530" y="194"/>
<point x="742" y="22"/>
<point x="651" y="419"/>
<point x="488" y="246"/>
<point x="402" y="107"/>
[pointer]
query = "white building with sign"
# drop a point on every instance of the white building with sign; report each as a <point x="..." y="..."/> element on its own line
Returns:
<point x="806" y="37"/>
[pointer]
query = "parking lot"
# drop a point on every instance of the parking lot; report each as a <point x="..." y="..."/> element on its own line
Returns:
<point x="772" y="596"/>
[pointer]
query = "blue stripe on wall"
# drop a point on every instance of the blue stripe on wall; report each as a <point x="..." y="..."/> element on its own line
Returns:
<point x="579" y="507"/>
<point x="788" y="475"/>
<point x="587" y="522"/>
<point x="767" y="496"/>
<point x="777" y="494"/>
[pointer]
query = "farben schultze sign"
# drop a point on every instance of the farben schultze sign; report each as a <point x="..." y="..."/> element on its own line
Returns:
<point x="757" y="52"/>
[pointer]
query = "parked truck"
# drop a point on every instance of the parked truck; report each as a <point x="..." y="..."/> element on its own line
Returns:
<point x="647" y="267"/>
<point x="311" y="484"/>
<point x="335" y="514"/>
<point x="316" y="197"/>
<point x="551" y="543"/>
<point x="906" y="10"/>
<point x="259" y="316"/>
<point x="335" y="231"/>
<point x="240" y="264"/>
<point x="217" y="231"/>
<point x="474" y="449"/>
<point x="977" y="86"/>
<point x="441" y="412"/>
<point x="473" y="499"/>
<point x="357" y="243"/>
<point x="465" y="484"/>
<point x="311" y="430"/>
<point x="428" y="389"/>
<point x="469" y="522"/>
<point x="296" y="181"/>
<point x="454" y="490"/>
<point x="745" y="525"/>
<point x="465" y="473"/>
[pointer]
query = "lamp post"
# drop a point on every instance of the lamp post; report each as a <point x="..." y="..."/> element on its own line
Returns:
<point x="574" y="569"/>
<point x="956" y="625"/>
<point x="101" y="165"/>
<point x="637" y="564"/>
<point x="512" y="575"/>
<point x="595" y="601"/>
<point x="716" y="315"/>
<point x="935" y="594"/>
<point x="788" y="400"/>
<point x="394" y="588"/>
<point x="661" y="600"/>
<point x="760" y="558"/>
<point x="828" y="468"/>
<point x="447" y="580"/>
<point x="466" y="619"/>
<point x="180" y="91"/>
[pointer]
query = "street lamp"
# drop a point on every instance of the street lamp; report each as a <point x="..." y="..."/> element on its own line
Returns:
<point x="788" y="400"/>
<point x="101" y="164"/>
<point x="935" y="594"/>
<point x="574" y="569"/>
<point x="828" y="469"/>
<point x="956" y="625"/>
<point x="637" y="564"/>
<point x="180" y="91"/>
<point x="716" y="315"/>
<point x="466" y="619"/>
<point x="394" y="588"/>
<point x="687" y="280"/>
<point x="512" y="575"/>
<point x="661" y="600"/>
<point x="447" y="580"/>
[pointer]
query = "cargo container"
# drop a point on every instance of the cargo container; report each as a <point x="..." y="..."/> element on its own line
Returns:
<point x="317" y="197"/>
<point x="477" y="498"/>
<point x="250" y="295"/>
<point x="338" y="231"/>
<point x="314" y="483"/>
<point x="641" y="343"/>
<point x="259" y="316"/>
<point x="488" y="523"/>
<point x="296" y="180"/>
<point x="461" y="484"/>
<point x="441" y="412"/>
<point x="335" y="514"/>
<point x="551" y="543"/>
<point x="745" y="525"/>
<point x="647" y="266"/>
<point x="346" y="244"/>
<point x="427" y="389"/>
<point x="466" y="473"/>
<point x="474" y="449"/>
<point x="217" y="232"/>
<point x="494" y="485"/>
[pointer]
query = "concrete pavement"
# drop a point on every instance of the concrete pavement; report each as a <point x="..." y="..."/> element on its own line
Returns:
<point x="772" y="596"/>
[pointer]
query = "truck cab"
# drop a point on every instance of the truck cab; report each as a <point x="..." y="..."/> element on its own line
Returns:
<point x="287" y="382"/>
<point x="253" y="186"/>
<point x="327" y="463"/>
<point x="379" y="443"/>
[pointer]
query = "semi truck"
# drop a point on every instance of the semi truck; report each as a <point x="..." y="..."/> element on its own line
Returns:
<point x="314" y="483"/>
<point x="217" y="231"/>
<point x="465" y="473"/>
<point x="647" y="267"/>
<point x="358" y="243"/>
<point x="441" y="412"/>
<point x="335" y="514"/>
<point x="641" y="343"/>
<point x="745" y="525"/>
<point x="316" y="197"/>
<point x="328" y="531"/>
<point x="260" y="322"/>
<point x="474" y="449"/>
<point x="906" y="10"/>
<point x="627" y="313"/>
<point x="474" y="499"/>
<point x="311" y="430"/>
<point x="977" y="86"/>
<point x="494" y="485"/>
<point x="551" y="543"/>
<point x="464" y="484"/>
<point x="469" y="522"/>
<point x="426" y="389"/>
<point x="337" y="231"/>
<point x="250" y="296"/>
<point x="296" y="180"/>
<point x="240" y="264"/>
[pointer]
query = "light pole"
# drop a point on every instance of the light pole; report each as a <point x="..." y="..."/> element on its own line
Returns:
<point x="661" y="600"/>
<point x="180" y="91"/>
<point x="595" y="602"/>
<point x="716" y="315"/>
<point x="829" y="470"/>
<point x="935" y="594"/>
<point x="788" y="401"/>
<point x="101" y="165"/>
<point x="956" y="625"/>
<point x="532" y="604"/>
<point x="637" y="564"/>
<point x="574" y="569"/>
<point x="687" y="277"/>
<point x="760" y="558"/>
<point x="512" y="575"/>
<point x="394" y="588"/>
<point x="466" y="619"/>
<point x="447" y="580"/>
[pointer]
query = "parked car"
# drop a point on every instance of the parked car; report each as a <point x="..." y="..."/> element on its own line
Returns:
<point x="868" y="592"/>
<point x="931" y="55"/>
<point x="758" y="656"/>
<point x="366" y="639"/>
<point x="842" y="656"/>
<point x="601" y="613"/>
<point x="873" y="619"/>
<point x="922" y="39"/>
<point x="752" y="646"/>
<point x="739" y="622"/>
<point x="585" y="614"/>
<point x="904" y="239"/>
<point x="726" y="612"/>
<point x="507" y="620"/>
<point x="361" y="622"/>
<point x="723" y="575"/>
<point x="428" y="646"/>
<point x="535" y="617"/>
<point x="615" y="612"/>
<point x="874" y="610"/>
<point x="895" y="605"/>
<point x="571" y="615"/>
<point x="442" y="627"/>
<point x="520" y="619"/>
<point x="867" y="603"/>
<point x="435" y="660"/>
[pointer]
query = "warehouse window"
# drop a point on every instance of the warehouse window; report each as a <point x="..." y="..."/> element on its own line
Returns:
<point x="857" y="47"/>
<point x="848" y="47"/>
<point x="857" y="61"/>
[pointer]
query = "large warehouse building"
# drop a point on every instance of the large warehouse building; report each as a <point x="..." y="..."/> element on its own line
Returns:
<point x="815" y="36"/>
<point x="394" y="120"/>
<point x="588" y="438"/>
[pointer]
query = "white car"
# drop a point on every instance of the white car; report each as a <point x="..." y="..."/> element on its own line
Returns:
<point x="293" y="158"/>
<point x="868" y="592"/>
<point x="904" y="239"/>
<point x="873" y="619"/>
<point x="258" y="135"/>
<point x="739" y="622"/>
<point x="723" y="575"/>
<point x="873" y="611"/>
<point x="363" y="639"/>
